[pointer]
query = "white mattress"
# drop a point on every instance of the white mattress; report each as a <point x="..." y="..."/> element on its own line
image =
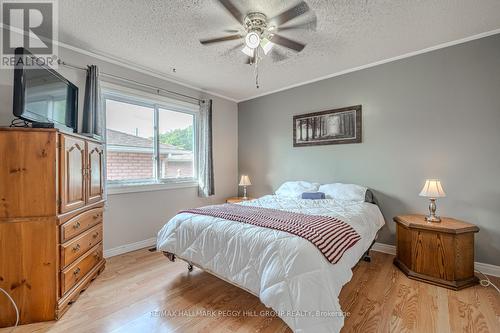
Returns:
<point x="288" y="273"/>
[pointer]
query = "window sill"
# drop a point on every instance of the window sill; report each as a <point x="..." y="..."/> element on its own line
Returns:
<point x="114" y="189"/>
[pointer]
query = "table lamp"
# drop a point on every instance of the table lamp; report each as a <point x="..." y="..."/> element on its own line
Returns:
<point x="245" y="181"/>
<point x="432" y="190"/>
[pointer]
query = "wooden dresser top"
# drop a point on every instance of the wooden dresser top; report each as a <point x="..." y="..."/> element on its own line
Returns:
<point x="55" y="130"/>
<point x="27" y="129"/>
<point x="447" y="225"/>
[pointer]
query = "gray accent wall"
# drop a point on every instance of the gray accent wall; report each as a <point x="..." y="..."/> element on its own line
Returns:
<point x="434" y="115"/>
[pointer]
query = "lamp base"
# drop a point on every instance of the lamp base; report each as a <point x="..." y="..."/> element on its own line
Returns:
<point x="433" y="218"/>
<point x="245" y="193"/>
<point x="432" y="212"/>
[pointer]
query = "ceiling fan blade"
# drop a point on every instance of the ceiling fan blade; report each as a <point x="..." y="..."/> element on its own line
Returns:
<point x="288" y="43"/>
<point x="231" y="8"/>
<point x="278" y="56"/>
<point x="310" y="25"/>
<point x="290" y="14"/>
<point x="219" y="39"/>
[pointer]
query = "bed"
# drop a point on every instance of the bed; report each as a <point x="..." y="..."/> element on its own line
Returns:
<point x="288" y="273"/>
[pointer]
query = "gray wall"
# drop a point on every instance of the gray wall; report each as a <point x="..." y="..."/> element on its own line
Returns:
<point x="435" y="115"/>
<point x="134" y="217"/>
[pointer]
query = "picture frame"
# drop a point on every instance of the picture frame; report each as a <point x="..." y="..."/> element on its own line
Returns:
<point x="330" y="127"/>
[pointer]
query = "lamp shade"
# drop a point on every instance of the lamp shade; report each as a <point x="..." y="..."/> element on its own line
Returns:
<point x="266" y="45"/>
<point x="245" y="181"/>
<point x="248" y="51"/>
<point x="432" y="189"/>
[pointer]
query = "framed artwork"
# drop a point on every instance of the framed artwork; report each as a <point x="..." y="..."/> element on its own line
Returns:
<point x="329" y="127"/>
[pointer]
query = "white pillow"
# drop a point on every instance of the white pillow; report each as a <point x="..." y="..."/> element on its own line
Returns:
<point x="296" y="188"/>
<point x="345" y="192"/>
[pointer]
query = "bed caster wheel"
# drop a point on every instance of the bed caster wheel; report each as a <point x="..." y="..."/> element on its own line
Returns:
<point x="367" y="258"/>
<point x="190" y="267"/>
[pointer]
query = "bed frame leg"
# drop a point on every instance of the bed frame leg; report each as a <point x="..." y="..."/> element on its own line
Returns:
<point x="169" y="255"/>
<point x="366" y="256"/>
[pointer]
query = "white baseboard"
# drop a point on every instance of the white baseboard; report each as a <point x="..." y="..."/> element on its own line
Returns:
<point x="483" y="268"/>
<point x="384" y="248"/>
<point x="379" y="247"/>
<point x="129" y="247"/>
<point x="487" y="269"/>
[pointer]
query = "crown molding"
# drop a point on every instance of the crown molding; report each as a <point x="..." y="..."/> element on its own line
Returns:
<point x="380" y="62"/>
<point x="124" y="63"/>
<point x="139" y="68"/>
<point x="167" y="77"/>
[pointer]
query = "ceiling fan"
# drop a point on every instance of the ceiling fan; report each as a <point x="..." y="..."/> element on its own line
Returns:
<point x="260" y="33"/>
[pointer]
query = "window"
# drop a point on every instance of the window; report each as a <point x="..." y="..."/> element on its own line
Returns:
<point x="149" y="140"/>
<point x="176" y="139"/>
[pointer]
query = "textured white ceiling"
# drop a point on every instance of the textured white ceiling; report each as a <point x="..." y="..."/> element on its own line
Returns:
<point x="164" y="34"/>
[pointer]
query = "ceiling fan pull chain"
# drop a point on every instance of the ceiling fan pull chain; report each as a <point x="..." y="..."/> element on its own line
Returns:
<point x="257" y="58"/>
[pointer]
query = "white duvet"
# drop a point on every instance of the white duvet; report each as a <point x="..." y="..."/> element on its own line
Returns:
<point x="288" y="273"/>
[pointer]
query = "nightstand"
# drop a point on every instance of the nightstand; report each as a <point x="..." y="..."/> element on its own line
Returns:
<point x="437" y="253"/>
<point x="237" y="199"/>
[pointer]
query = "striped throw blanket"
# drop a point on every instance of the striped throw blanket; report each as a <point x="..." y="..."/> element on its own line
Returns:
<point x="330" y="235"/>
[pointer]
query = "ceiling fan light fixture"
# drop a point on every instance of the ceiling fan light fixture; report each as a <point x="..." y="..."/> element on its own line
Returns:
<point x="252" y="40"/>
<point x="248" y="51"/>
<point x="261" y="30"/>
<point x="266" y="45"/>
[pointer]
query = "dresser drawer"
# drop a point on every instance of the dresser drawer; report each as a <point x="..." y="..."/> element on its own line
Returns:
<point x="80" y="223"/>
<point x="75" y="248"/>
<point x="77" y="271"/>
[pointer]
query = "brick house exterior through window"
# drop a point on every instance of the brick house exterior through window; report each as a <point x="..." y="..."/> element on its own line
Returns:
<point x="148" y="141"/>
<point x="134" y="160"/>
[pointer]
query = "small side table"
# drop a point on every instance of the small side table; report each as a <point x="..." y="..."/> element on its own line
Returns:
<point x="237" y="199"/>
<point x="438" y="253"/>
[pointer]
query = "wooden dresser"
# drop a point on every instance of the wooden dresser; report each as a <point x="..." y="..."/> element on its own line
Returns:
<point x="438" y="253"/>
<point x="51" y="220"/>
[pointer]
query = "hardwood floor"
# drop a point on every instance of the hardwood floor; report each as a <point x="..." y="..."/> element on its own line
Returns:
<point x="135" y="287"/>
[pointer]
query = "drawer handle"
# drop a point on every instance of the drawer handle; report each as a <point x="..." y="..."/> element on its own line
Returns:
<point x="97" y="255"/>
<point x="76" y="248"/>
<point x="96" y="234"/>
<point x="76" y="271"/>
<point x="76" y="225"/>
<point x="96" y="216"/>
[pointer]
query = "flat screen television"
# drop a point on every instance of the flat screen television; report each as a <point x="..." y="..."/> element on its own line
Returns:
<point x="42" y="95"/>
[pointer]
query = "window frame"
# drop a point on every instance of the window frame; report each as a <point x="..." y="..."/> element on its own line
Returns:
<point x="155" y="102"/>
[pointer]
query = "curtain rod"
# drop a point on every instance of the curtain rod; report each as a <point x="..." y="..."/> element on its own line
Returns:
<point x="60" y="62"/>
